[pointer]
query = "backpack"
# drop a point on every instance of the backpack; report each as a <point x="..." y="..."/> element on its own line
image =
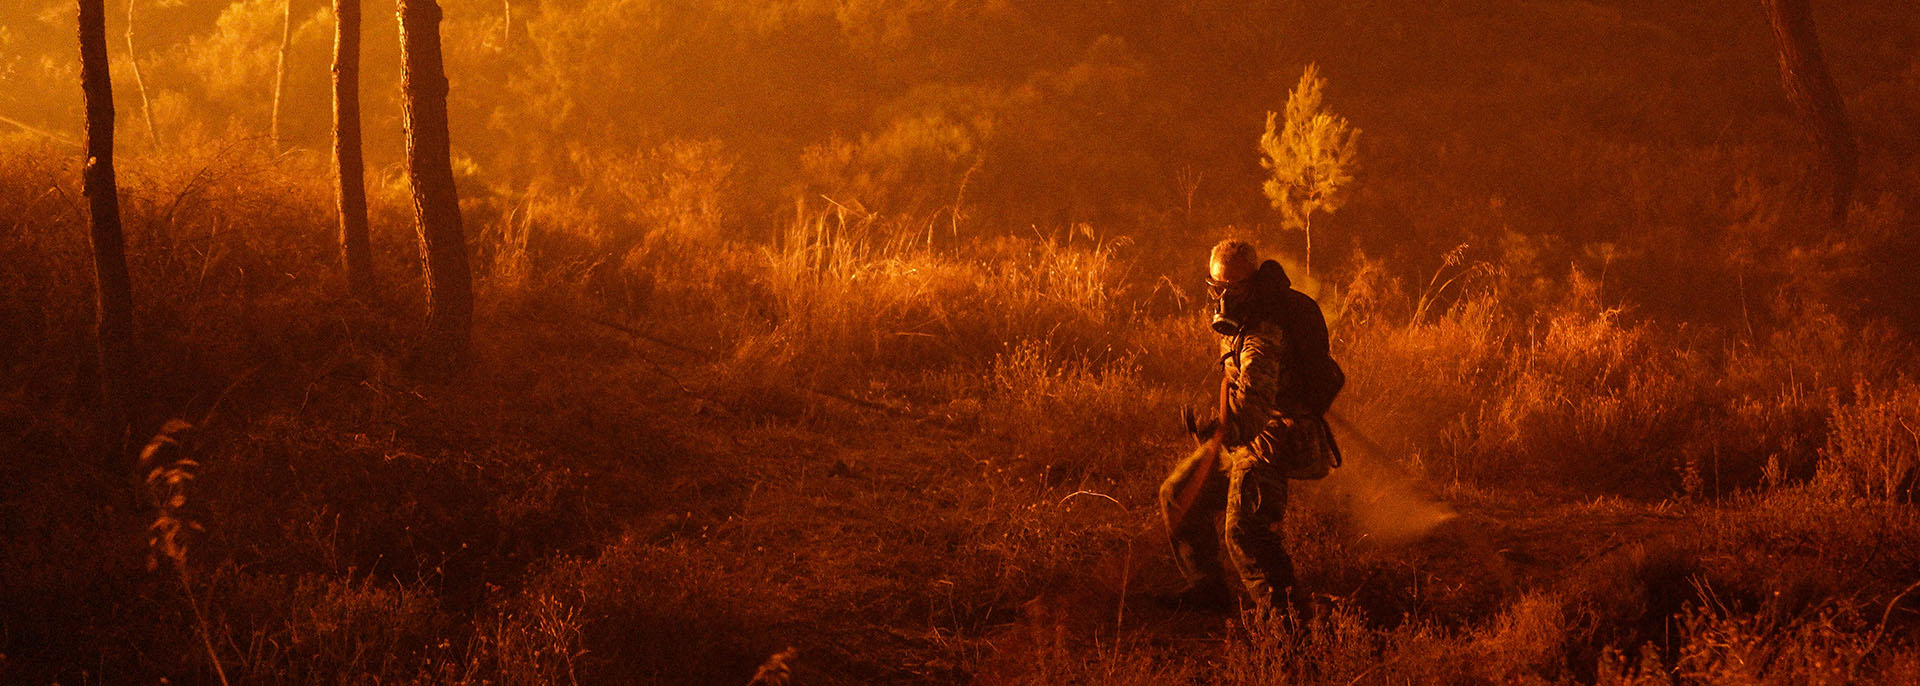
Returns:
<point x="1319" y="379"/>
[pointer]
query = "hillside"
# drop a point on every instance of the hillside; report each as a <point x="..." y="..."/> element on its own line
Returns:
<point x="823" y="456"/>
<point x="847" y="341"/>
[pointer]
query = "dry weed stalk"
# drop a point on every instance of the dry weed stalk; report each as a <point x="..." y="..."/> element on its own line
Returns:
<point x="170" y="469"/>
<point x="775" y="671"/>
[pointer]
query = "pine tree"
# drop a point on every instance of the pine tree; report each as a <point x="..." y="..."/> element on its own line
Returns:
<point x="349" y="168"/>
<point x="1311" y="157"/>
<point x="280" y="73"/>
<point x="113" y="294"/>
<point x="435" y="200"/>
<point x="140" y="82"/>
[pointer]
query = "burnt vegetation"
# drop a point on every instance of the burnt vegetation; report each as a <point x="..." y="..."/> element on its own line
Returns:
<point x="638" y="341"/>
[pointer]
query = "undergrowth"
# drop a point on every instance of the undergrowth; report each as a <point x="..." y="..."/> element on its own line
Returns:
<point x="931" y="458"/>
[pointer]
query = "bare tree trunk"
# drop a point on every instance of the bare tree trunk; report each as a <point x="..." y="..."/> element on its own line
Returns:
<point x="113" y="287"/>
<point x="1809" y="86"/>
<point x="1306" y="226"/>
<point x="280" y="72"/>
<point x="436" y="203"/>
<point x="349" y="169"/>
<point x="146" y="105"/>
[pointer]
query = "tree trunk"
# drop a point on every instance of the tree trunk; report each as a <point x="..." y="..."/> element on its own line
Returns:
<point x="435" y="201"/>
<point x="1306" y="226"/>
<point x="280" y="72"/>
<point x="113" y="303"/>
<point x="349" y="169"/>
<point x="1809" y="86"/>
<point x="133" y="60"/>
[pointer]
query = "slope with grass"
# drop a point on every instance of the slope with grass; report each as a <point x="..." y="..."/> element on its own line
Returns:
<point x="912" y="460"/>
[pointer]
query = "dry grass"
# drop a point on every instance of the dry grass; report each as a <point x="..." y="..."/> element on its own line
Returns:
<point x="912" y="458"/>
<point x="1872" y="448"/>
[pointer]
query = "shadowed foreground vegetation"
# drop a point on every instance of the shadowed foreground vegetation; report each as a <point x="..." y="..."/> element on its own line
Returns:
<point x="912" y="458"/>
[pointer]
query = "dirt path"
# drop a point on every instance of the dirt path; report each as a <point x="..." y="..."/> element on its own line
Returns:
<point x="889" y="543"/>
<point x="892" y="547"/>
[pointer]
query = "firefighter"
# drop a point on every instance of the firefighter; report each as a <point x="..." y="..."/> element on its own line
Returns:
<point x="1273" y="352"/>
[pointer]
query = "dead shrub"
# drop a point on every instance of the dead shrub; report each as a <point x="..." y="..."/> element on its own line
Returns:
<point x="1873" y="447"/>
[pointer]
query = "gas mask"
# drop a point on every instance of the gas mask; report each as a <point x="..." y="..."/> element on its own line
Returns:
<point x="1233" y="305"/>
<point x="1236" y="304"/>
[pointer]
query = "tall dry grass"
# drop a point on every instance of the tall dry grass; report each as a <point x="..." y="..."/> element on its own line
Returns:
<point x="1872" y="448"/>
<point x="1013" y="406"/>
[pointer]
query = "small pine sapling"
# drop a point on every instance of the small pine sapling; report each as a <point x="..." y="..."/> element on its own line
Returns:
<point x="1310" y="157"/>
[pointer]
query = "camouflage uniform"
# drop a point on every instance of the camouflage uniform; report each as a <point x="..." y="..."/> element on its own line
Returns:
<point x="1263" y="433"/>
